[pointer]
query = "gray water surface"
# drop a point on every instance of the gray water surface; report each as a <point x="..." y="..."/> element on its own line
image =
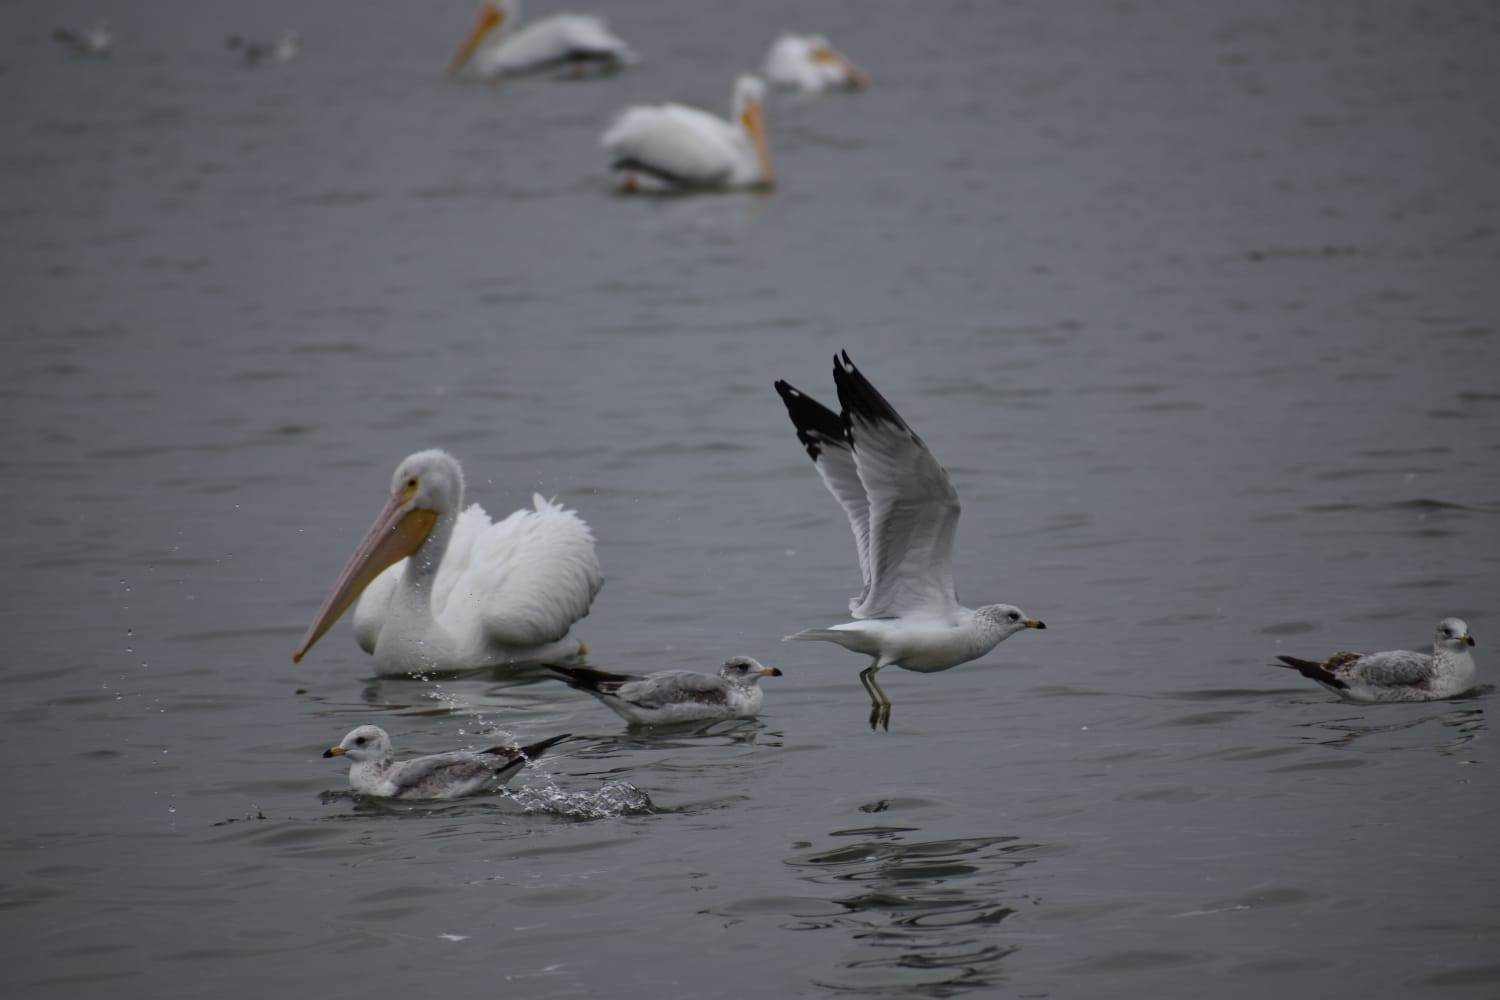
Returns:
<point x="1196" y="301"/>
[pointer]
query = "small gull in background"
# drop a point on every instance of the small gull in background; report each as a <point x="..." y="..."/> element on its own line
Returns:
<point x="96" y="42"/>
<point x="671" y="696"/>
<point x="283" y="50"/>
<point x="809" y="64"/>
<point x="904" y="512"/>
<point x="1399" y="675"/>
<point x="373" y="771"/>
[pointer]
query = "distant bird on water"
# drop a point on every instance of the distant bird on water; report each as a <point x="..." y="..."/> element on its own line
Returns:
<point x="95" y="43"/>
<point x="374" y="771"/>
<point x="677" y="148"/>
<point x="441" y="588"/>
<point x="671" y="696"/>
<point x="283" y="50"/>
<point x="809" y="64"/>
<point x="498" y="45"/>
<point x="1399" y="675"/>
<point x="904" y="512"/>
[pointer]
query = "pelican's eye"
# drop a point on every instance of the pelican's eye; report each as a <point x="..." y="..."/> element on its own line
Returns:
<point x="411" y="483"/>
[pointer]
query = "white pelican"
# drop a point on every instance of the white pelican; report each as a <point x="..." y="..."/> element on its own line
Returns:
<point x="374" y="771"/>
<point x="680" y="147"/>
<point x="443" y="590"/>
<point x="904" y="512"/>
<point x="809" y="64"/>
<point x="579" y="40"/>
<point x="669" y="696"/>
<point x="96" y="42"/>
<point x="1399" y="675"/>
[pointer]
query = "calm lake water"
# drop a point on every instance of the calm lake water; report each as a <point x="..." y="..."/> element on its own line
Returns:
<point x="1196" y="301"/>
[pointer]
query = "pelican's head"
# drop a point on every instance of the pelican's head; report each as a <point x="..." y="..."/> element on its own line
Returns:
<point x="749" y="114"/>
<point x="364" y="743"/>
<point x="830" y="62"/>
<point x="493" y="16"/>
<point x="1453" y="635"/>
<point x="745" y="670"/>
<point x="1008" y="618"/>
<point x="426" y="486"/>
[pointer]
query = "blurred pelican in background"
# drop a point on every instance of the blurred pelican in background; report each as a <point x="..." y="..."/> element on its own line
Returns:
<point x="497" y="47"/>
<point x="809" y="64"/>
<point x="441" y="588"/>
<point x="674" y="147"/>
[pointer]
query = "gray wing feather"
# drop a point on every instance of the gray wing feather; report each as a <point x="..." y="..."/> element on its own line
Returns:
<point x="437" y="775"/>
<point x="1401" y="668"/>
<point x="671" y="687"/>
<point x="914" y="508"/>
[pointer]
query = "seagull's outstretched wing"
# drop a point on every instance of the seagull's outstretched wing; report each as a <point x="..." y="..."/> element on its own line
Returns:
<point x="913" y="508"/>
<point x="822" y="433"/>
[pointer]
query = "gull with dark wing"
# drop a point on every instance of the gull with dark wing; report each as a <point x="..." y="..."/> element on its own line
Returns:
<point x="671" y="696"/>
<point x="904" y="511"/>
<point x="1398" y="675"/>
<point x="375" y="772"/>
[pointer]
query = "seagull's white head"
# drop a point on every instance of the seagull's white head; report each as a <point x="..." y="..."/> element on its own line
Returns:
<point x="362" y="744"/>
<point x="1007" y="618"/>
<point x="745" y="670"/>
<point x="425" y="487"/>
<point x="1453" y="635"/>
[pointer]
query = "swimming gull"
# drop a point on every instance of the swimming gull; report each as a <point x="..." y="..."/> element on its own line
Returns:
<point x="373" y="771"/>
<point x="903" y="510"/>
<point x="1399" y="675"/>
<point x="670" y="696"/>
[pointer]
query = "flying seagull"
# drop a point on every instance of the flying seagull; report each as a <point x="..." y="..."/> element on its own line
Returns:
<point x="904" y="511"/>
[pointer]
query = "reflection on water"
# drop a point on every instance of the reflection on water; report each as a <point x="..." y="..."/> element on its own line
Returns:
<point x="1449" y="731"/>
<point x="923" y="917"/>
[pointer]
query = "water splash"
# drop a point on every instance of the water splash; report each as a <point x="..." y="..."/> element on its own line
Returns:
<point x="611" y="799"/>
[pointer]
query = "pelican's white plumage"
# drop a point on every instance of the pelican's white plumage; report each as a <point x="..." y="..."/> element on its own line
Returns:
<point x="904" y="512"/>
<point x="455" y="591"/>
<point x="810" y="64"/>
<point x="498" y="46"/>
<point x="683" y="147"/>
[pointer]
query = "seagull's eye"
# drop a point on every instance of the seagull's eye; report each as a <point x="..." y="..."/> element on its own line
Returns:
<point x="359" y="741"/>
<point x="1015" y="616"/>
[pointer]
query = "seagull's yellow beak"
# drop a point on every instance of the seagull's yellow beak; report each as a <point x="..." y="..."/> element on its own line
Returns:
<point x="490" y="18"/>
<point x="334" y="752"/>
<point x="397" y="532"/>
<point x="770" y="672"/>
<point x="1033" y="623"/>
<point x="1469" y="639"/>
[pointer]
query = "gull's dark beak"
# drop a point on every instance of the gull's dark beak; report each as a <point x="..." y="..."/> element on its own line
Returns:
<point x="1469" y="639"/>
<point x="1033" y="623"/>
<point x="334" y="752"/>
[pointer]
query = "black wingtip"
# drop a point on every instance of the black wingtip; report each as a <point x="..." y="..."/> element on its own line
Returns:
<point x="859" y="397"/>
<point x="535" y="750"/>
<point x="1312" y="671"/>
<point x="817" y="425"/>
